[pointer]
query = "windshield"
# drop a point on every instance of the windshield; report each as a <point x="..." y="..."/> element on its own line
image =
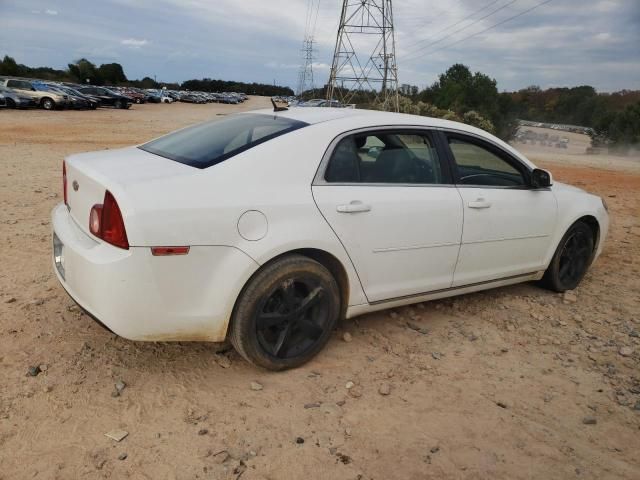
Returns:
<point x="210" y="143"/>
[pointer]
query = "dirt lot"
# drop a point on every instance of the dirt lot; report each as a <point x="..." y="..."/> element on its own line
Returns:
<point x="514" y="383"/>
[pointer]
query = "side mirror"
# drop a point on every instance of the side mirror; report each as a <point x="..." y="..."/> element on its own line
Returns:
<point x="541" y="178"/>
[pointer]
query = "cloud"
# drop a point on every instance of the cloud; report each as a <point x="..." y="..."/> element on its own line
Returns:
<point x="134" y="42"/>
<point x="321" y="66"/>
<point x="51" y="12"/>
<point x="561" y="43"/>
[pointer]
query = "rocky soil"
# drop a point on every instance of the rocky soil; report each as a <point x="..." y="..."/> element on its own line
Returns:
<point x="513" y="383"/>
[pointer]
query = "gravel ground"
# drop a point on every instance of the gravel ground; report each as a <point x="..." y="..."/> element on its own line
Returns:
<point x="513" y="383"/>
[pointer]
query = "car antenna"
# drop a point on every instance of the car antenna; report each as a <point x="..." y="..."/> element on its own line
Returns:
<point x="276" y="108"/>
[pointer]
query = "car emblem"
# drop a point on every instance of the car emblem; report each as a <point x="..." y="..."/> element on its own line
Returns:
<point x="75" y="185"/>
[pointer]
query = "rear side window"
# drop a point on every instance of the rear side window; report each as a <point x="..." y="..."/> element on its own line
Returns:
<point x="19" y="84"/>
<point x="401" y="157"/>
<point x="210" y="143"/>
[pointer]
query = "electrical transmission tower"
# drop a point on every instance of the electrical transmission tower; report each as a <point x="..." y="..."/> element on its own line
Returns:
<point x="366" y="26"/>
<point x="305" y="77"/>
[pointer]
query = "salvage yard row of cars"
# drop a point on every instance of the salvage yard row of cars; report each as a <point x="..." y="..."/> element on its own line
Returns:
<point x="25" y="93"/>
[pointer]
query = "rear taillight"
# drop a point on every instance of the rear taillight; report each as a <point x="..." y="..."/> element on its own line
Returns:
<point x="106" y="222"/>
<point x="64" y="181"/>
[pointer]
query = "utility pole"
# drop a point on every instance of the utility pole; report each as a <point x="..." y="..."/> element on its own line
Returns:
<point x="364" y="58"/>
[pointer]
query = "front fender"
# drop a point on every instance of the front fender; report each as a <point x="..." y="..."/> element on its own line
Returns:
<point x="573" y="205"/>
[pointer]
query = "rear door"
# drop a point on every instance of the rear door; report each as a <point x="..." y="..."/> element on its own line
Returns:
<point x="507" y="223"/>
<point x="388" y="196"/>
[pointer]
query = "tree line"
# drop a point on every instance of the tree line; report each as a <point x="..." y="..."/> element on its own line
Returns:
<point x="83" y="71"/>
<point x="474" y="98"/>
<point x="614" y="117"/>
<point x="458" y="94"/>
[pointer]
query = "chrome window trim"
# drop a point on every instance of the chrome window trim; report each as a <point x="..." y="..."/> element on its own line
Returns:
<point x="319" y="179"/>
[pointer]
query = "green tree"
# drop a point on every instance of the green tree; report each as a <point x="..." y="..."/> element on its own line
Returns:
<point x="112" y="73"/>
<point x="82" y="70"/>
<point x="8" y="66"/>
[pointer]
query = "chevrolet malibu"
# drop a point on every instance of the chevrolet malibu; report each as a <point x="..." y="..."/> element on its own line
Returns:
<point x="267" y="227"/>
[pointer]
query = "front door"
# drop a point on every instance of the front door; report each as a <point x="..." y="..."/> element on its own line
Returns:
<point x="507" y="224"/>
<point x="388" y="196"/>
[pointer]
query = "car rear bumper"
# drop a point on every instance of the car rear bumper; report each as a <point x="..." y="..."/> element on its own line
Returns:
<point x="142" y="297"/>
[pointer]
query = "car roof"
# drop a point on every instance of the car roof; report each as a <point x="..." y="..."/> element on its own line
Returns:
<point x="314" y="115"/>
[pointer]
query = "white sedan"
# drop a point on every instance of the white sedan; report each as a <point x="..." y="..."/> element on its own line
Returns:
<point x="267" y="227"/>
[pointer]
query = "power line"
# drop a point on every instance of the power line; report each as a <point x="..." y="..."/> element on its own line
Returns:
<point x="414" y="57"/>
<point x="433" y="34"/>
<point x="465" y="27"/>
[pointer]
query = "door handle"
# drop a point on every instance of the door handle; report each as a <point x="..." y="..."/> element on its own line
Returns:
<point x="354" y="207"/>
<point x="479" y="203"/>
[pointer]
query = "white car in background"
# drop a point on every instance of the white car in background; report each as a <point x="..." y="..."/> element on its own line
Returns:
<point x="267" y="227"/>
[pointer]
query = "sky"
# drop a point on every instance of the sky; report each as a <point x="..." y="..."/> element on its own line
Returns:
<point x="560" y="43"/>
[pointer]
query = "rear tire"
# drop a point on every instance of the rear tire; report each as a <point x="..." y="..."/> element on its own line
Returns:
<point x="119" y="104"/>
<point x="571" y="259"/>
<point x="286" y="313"/>
<point x="10" y="103"/>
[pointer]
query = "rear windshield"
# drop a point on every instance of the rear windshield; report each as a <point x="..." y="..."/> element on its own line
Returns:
<point x="207" y="144"/>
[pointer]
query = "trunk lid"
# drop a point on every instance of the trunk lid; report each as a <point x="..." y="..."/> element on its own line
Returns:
<point x="89" y="175"/>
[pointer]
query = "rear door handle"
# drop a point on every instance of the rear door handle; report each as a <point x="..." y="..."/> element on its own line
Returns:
<point x="479" y="203"/>
<point x="354" y="207"/>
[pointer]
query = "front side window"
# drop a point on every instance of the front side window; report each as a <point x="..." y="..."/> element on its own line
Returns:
<point x="478" y="165"/>
<point x="385" y="157"/>
<point x="209" y="143"/>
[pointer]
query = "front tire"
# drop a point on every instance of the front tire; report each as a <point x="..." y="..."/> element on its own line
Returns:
<point x="571" y="259"/>
<point x="286" y="313"/>
<point x="48" y="104"/>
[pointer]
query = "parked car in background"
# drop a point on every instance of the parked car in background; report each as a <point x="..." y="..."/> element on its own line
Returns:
<point x="373" y="210"/>
<point x="92" y="101"/>
<point x="137" y="96"/>
<point x="152" y="96"/>
<point x="11" y="99"/>
<point x="319" y="102"/>
<point x="107" y="97"/>
<point x="229" y="99"/>
<point x="312" y="103"/>
<point x="76" y="102"/>
<point x="45" y="99"/>
<point x="192" y="98"/>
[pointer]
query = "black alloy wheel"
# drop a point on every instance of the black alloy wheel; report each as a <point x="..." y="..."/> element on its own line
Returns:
<point x="286" y="313"/>
<point x="571" y="259"/>
<point x="574" y="258"/>
<point x="292" y="318"/>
